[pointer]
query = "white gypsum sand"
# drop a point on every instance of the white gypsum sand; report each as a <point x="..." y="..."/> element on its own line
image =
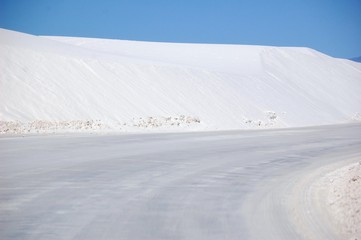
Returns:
<point x="57" y="84"/>
<point x="344" y="200"/>
<point x="326" y="200"/>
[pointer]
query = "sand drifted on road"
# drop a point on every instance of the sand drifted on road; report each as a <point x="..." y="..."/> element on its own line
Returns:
<point x="344" y="200"/>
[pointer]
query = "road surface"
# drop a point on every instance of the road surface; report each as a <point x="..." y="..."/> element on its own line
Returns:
<point x="209" y="185"/>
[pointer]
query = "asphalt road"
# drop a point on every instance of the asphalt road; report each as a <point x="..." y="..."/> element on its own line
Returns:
<point x="210" y="185"/>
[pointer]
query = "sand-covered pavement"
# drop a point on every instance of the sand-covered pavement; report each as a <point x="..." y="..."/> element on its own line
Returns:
<point x="268" y="184"/>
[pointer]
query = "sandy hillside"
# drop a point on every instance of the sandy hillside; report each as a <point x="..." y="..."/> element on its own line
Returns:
<point x="51" y="84"/>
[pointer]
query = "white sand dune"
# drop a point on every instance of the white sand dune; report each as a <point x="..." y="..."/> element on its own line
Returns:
<point x="81" y="84"/>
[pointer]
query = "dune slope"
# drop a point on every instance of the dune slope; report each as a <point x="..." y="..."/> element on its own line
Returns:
<point x="80" y="84"/>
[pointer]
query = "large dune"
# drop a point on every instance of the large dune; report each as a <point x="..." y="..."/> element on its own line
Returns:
<point x="81" y="84"/>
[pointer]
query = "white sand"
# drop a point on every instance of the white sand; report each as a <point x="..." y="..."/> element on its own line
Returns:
<point x="61" y="84"/>
<point x="344" y="200"/>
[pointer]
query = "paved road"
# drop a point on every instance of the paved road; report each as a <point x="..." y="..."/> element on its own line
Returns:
<point x="220" y="185"/>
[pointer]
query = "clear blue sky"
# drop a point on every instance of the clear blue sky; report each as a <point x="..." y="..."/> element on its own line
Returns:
<point x="330" y="26"/>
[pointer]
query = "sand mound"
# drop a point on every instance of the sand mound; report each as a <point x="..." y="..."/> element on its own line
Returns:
<point x="344" y="200"/>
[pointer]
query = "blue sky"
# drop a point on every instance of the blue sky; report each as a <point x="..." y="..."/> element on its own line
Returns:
<point x="330" y="26"/>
